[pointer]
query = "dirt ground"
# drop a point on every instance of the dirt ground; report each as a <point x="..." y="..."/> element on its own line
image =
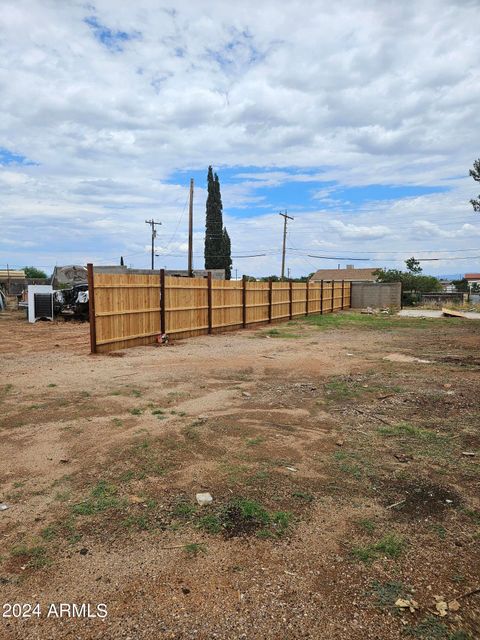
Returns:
<point x="342" y="454"/>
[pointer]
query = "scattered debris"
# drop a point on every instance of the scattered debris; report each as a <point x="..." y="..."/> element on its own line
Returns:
<point x="402" y="457"/>
<point x="453" y="605"/>
<point x="4" y="506"/>
<point x="163" y="339"/>
<point x="402" y="357"/>
<point x="404" y="603"/>
<point x="64" y="460"/>
<point x="441" y="606"/>
<point x="469" y="454"/>
<point x="204" y="498"/>
<point x="369" y="311"/>
<point x="452" y="313"/>
<point x="292" y="469"/>
<point x="396" y="504"/>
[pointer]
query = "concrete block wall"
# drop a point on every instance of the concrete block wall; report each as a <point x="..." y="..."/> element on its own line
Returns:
<point x="376" y="294"/>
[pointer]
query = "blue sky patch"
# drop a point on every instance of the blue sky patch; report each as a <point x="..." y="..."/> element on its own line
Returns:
<point x="8" y="157"/>
<point x="108" y="37"/>
<point x="298" y="190"/>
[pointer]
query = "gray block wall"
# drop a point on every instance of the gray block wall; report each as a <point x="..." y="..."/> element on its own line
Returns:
<point x="376" y="294"/>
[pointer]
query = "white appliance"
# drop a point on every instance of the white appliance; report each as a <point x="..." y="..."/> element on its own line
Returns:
<point x="40" y="302"/>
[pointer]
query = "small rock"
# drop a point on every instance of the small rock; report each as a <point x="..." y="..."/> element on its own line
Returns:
<point x="291" y="469"/>
<point x="468" y="453"/>
<point x="4" y="506"/>
<point x="245" y="394"/>
<point x="340" y="443"/>
<point x="185" y="590"/>
<point x="204" y="498"/>
<point x="83" y="551"/>
<point x="64" y="460"/>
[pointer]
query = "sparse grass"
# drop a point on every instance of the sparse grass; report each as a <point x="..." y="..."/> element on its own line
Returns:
<point x="183" y="510"/>
<point x="242" y="516"/>
<point x="158" y="412"/>
<point x="279" y="333"/>
<point x="6" y="388"/>
<point x="432" y="629"/>
<point x="102" y="498"/>
<point x="139" y="522"/>
<point x="34" y="557"/>
<point x="439" y="530"/>
<point x="390" y="545"/>
<point x="49" y="533"/>
<point x="85" y="394"/>
<point x="367" y="525"/>
<point x="252" y="442"/>
<point x="136" y="393"/>
<point x="51" y="385"/>
<point x="117" y="422"/>
<point x="419" y="440"/>
<point x="353" y="320"/>
<point x="301" y="495"/>
<point x="386" y="593"/>
<point x="193" y="549"/>
<point x="136" y="411"/>
<point x="63" y="496"/>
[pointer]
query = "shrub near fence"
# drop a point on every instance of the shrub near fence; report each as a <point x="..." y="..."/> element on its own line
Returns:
<point x="128" y="310"/>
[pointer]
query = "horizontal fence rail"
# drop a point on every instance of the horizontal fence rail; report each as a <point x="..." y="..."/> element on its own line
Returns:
<point x="128" y="310"/>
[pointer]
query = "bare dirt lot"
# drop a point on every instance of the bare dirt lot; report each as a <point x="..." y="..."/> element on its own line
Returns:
<point x="341" y="453"/>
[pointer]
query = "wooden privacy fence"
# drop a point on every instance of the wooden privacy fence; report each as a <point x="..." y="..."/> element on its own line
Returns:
<point x="128" y="310"/>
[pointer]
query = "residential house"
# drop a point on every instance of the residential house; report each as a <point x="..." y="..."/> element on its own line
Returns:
<point x="473" y="279"/>
<point x="349" y="274"/>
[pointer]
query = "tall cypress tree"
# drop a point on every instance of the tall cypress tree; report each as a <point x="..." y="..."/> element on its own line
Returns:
<point x="227" y="253"/>
<point x="214" y="224"/>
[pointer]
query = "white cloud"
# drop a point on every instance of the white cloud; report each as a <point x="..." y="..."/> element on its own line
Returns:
<point x="381" y="95"/>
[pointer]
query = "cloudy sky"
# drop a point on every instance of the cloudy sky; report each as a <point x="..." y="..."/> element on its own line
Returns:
<point x="359" y="118"/>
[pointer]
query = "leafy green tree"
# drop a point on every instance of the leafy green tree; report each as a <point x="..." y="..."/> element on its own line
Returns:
<point x="475" y="174"/>
<point x="33" y="272"/>
<point x="410" y="281"/>
<point x="475" y="288"/>
<point x="461" y="285"/>
<point x="227" y="253"/>
<point x="413" y="265"/>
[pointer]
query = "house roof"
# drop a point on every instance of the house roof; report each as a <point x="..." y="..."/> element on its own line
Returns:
<point x="13" y="274"/>
<point x="345" y="274"/>
<point x="472" y="276"/>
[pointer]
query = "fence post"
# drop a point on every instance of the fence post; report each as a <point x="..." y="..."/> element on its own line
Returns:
<point x="307" y="297"/>
<point x="270" y="287"/>
<point x="91" y="308"/>
<point x="162" y="301"/>
<point x="290" y="309"/>
<point x="333" y="295"/>
<point x="209" y="297"/>
<point x="244" y="301"/>
<point x="343" y="294"/>
<point x="321" y="297"/>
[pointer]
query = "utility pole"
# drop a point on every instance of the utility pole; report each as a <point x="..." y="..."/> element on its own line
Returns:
<point x="190" y="232"/>
<point x="284" y="216"/>
<point x="152" y="223"/>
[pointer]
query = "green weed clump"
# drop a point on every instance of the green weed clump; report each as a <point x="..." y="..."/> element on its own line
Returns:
<point x="102" y="497"/>
<point x="390" y="545"/>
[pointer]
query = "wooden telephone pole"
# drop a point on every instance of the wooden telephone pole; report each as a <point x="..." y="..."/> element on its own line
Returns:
<point x="284" y="216"/>
<point x="152" y="223"/>
<point x="190" y="231"/>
